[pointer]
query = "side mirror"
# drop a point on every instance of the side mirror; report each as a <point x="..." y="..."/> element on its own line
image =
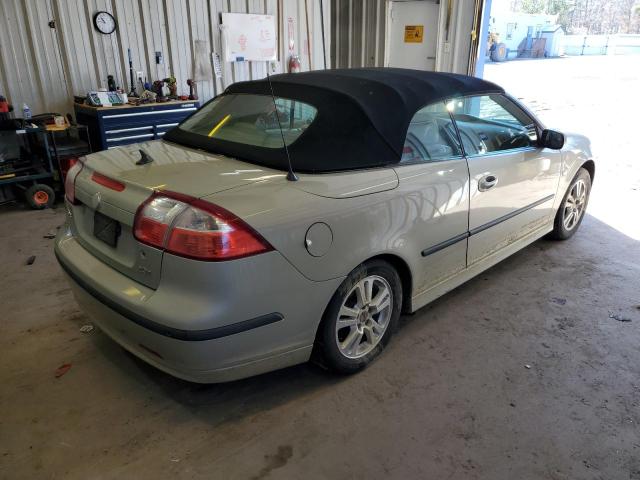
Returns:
<point x="552" y="139"/>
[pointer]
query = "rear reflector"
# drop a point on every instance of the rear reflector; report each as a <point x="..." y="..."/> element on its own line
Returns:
<point x="192" y="228"/>
<point x="107" y="182"/>
<point x="153" y="352"/>
<point x="65" y="165"/>
<point x="151" y="231"/>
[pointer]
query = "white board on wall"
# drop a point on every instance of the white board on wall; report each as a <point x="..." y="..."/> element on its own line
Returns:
<point x="249" y="37"/>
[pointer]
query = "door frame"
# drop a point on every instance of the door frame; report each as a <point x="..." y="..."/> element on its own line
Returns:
<point x="387" y="28"/>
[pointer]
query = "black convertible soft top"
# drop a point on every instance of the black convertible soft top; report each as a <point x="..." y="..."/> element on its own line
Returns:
<point x="362" y="119"/>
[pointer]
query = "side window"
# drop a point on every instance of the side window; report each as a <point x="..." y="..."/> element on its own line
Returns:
<point x="492" y="123"/>
<point x="538" y="31"/>
<point x="431" y="136"/>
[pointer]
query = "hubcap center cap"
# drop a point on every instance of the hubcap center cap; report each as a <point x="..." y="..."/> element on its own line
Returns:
<point x="362" y="317"/>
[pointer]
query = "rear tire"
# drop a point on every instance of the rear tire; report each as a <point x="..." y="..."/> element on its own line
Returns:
<point x="360" y="318"/>
<point x="574" y="204"/>
<point x="40" y="196"/>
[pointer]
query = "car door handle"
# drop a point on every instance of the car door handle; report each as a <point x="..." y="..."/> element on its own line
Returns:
<point x="487" y="182"/>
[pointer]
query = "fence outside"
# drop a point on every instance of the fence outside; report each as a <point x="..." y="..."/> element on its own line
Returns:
<point x="619" y="44"/>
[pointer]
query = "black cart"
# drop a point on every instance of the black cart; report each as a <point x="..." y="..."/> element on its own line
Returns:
<point x="36" y="160"/>
<point x="25" y="164"/>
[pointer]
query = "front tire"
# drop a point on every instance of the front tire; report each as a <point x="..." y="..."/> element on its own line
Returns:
<point x="574" y="204"/>
<point x="361" y="317"/>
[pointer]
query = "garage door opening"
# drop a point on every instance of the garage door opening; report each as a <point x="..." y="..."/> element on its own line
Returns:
<point x="577" y="73"/>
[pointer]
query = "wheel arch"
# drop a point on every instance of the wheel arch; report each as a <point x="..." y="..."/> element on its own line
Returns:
<point x="406" y="278"/>
<point x="590" y="166"/>
<point x="404" y="272"/>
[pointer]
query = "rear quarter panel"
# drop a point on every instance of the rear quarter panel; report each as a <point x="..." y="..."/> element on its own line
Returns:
<point x="361" y="226"/>
<point x="402" y="221"/>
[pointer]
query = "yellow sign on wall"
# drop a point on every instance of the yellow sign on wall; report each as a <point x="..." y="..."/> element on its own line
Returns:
<point x="413" y="33"/>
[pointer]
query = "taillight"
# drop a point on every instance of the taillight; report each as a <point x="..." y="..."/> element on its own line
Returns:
<point x="107" y="182"/>
<point x="70" y="181"/>
<point x="192" y="228"/>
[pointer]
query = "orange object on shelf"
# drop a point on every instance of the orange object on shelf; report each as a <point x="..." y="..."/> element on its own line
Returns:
<point x="56" y="127"/>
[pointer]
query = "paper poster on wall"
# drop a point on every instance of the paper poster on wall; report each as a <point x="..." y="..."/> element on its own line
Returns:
<point x="413" y="33"/>
<point x="249" y="37"/>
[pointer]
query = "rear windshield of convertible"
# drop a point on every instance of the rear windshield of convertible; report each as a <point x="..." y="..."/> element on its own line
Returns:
<point x="250" y="119"/>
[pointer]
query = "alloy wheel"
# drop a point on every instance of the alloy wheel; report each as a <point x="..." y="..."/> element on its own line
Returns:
<point x="364" y="316"/>
<point x="574" y="205"/>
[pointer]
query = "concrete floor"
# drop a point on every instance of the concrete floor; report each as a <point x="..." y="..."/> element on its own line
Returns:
<point x="522" y="373"/>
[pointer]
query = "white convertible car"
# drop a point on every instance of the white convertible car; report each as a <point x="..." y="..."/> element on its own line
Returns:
<point x="300" y="216"/>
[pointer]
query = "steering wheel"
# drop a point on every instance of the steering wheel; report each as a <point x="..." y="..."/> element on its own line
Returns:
<point x="516" y="141"/>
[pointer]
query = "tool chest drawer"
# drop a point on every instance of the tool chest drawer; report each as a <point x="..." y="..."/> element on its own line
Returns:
<point x="110" y="127"/>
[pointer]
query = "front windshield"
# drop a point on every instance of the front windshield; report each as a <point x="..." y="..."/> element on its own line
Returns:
<point x="251" y="120"/>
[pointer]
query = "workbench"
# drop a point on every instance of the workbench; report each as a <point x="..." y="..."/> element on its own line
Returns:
<point x="121" y="125"/>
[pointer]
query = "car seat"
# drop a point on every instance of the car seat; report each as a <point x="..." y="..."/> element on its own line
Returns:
<point x="428" y="133"/>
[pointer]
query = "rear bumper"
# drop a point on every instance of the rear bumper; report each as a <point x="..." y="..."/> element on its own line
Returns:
<point x="215" y="333"/>
<point x="179" y="334"/>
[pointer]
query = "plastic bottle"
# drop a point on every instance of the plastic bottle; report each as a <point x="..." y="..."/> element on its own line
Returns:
<point x="26" y="112"/>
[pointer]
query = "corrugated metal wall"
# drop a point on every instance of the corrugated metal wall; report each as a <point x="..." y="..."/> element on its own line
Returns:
<point x="357" y="33"/>
<point x="44" y="67"/>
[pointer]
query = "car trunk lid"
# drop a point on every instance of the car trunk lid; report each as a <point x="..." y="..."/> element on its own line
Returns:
<point x="175" y="168"/>
<point x="112" y="186"/>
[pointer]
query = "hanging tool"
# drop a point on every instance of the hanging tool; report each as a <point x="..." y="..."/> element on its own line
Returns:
<point x="193" y="89"/>
<point x="324" y="48"/>
<point x="306" y="14"/>
<point x="132" y="82"/>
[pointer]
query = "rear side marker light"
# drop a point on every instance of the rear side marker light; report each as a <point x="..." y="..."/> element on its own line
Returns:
<point x="152" y="352"/>
<point x="107" y="182"/>
<point x="192" y="228"/>
<point x="70" y="181"/>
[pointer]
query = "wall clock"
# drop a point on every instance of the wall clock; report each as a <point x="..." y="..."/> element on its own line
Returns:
<point x="104" y="22"/>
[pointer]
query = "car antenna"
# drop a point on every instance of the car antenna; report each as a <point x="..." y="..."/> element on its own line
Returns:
<point x="144" y="158"/>
<point x="291" y="176"/>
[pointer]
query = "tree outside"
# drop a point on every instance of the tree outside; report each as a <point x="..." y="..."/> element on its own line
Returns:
<point x="589" y="17"/>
